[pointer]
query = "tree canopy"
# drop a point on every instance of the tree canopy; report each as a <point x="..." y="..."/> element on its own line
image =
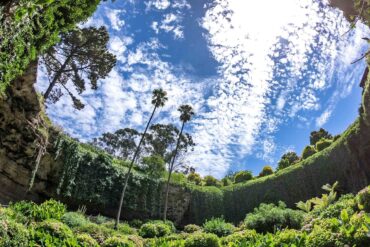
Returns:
<point x="81" y="55"/>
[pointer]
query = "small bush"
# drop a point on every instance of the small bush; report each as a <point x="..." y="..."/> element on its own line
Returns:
<point x="13" y="234"/>
<point x="53" y="233"/>
<point x="155" y="229"/>
<point x="100" y="219"/>
<point x="219" y="227"/>
<point x="243" y="176"/>
<point x="202" y="240"/>
<point x="98" y="232"/>
<point x="154" y="166"/>
<point x="123" y="228"/>
<point x="85" y="240"/>
<point x="116" y="241"/>
<point x="289" y="237"/>
<point x="322" y="144"/>
<point x="74" y="219"/>
<point x="136" y="223"/>
<point x="50" y="209"/>
<point x="363" y="199"/>
<point x="334" y="210"/>
<point x="308" y="151"/>
<point x="210" y="181"/>
<point x="191" y="228"/>
<point x="240" y="237"/>
<point x="267" y="170"/>
<point x="194" y="178"/>
<point x="323" y="234"/>
<point x="269" y="217"/>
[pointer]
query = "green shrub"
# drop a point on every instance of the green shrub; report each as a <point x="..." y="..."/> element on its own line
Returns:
<point x="98" y="232"/>
<point x="290" y="237"/>
<point x="50" y="209"/>
<point x="100" y="219"/>
<point x="74" y="219"/>
<point x="210" y="181"/>
<point x="267" y="170"/>
<point x="155" y="229"/>
<point x="324" y="234"/>
<point x="219" y="227"/>
<point x="269" y="217"/>
<point x="322" y="144"/>
<point x="363" y="199"/>
<point x="192" y="228"/>
<point x="53" y="233"/>
<point x="167" y="222"/>
<point x="249" y="236"/>
<point x="194" y="178"/>
<point x="202" y="240"/>
<point x="243" y="176"/>
<point x="154" y="166"/>
<point x="148" y="230"/>
<point x="334" y="210"/>
<point x="85" y="240"/>
<point x="287" y="160"/>
<point x="13" y="234"/>
<point x="123" y="228"/>
<point x="118" y="241"/>
<point x="308" y="151"/>
<point x="136" y="223"/>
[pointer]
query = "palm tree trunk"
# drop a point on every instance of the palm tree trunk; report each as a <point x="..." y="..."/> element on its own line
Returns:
<point x="170" y="170"/>
<point x="56" y="78"/>
<point x="130" y="168"/>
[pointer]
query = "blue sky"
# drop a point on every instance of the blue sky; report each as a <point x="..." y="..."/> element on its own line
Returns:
<point x="261" y="76"/>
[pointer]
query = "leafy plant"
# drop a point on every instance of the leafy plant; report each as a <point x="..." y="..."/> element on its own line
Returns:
<point x="218" y="226"/>
<point x="243" y="176"/>
<point x="202" y="240"/>
<point x="269" y="217"/>
<point x="192" y="228"/>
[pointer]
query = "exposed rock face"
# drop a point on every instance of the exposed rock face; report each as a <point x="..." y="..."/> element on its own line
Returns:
<point x="20" y="138"/>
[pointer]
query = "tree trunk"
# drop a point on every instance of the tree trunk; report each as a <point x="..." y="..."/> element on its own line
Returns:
<point x="130" y="168"/>
<point x="56" y="78"/>
<point x="170" y="170"/>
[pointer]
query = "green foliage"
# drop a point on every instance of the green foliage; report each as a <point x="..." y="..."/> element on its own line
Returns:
<point x="210" y="181"/>
<point x="53" y="233"/>
<point x="308" y="151"/>
<point x="154" y="166"/>
<point x="267" y="170"/>
<point x="192" y="228"/>
<point x="243" y="176"/>
<point x="155" y="229"/>
<point x="269" y="217"/>
<point x="334" y="210"/>
<point x="74" y="219"/>
<point x="13" y="234"/>
<point x="240" y="237"/>
<point x="322" y="144"/>
<point x="33" y="27"/>
<point x="218" y="226"/>
<point x="50" y="209"/>
<point x="195" y="178"/>
<point x="316" y="136"/>
<point x="123" y="228"/>
<point x="85" y="240"/>
<point x="288" y="159"/>
<point x="98" y="232"/>
<point x="136" y="223"/>
<point x="202" y="240"/>
<point x="116" y="241"/>
<point x="363" y="199"/>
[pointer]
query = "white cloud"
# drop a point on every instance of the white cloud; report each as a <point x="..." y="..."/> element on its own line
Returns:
<point x="115" y="19"/>
<point x="320" y="121"/>
<point x="158" y="4"/>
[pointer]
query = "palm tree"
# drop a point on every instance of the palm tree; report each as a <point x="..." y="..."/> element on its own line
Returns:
<point x="158" y="100"/>
<point x="186" y="114"/>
